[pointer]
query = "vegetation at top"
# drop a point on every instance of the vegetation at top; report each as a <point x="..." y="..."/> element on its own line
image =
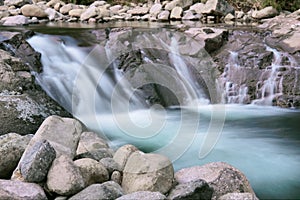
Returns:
<point x="244" y="5"/>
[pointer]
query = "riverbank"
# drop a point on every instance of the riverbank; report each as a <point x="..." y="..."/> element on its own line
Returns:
<point x="63" y="160"/>
<point x="22" y="13"/>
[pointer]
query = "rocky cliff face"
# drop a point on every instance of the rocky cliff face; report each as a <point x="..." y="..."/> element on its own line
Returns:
<point x="23" y="105"/>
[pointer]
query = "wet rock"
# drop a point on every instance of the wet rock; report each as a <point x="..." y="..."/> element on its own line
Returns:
<point x="64" y="177"/>
<point x="92" y="171"/>
<point x="15" y="20"/>
<point x="147" y="172"/>
<point x="89" y="13"/>
<point x="143" y="195"/>
<point x="20" y="190"/>
<point x="198" y="189"/>
<point x="33" y="11"/>
<point x="264" y="13"/>
<point x="107" y="190"/>
<point x="222" y="177"/>
<point x="12" y="146"/>
<point x="238" y="196"/>
<point x="122" y="154"/>
<point x="36" y="162"/>
<point x="217" y="7"/>
<point x="176" y="13"/>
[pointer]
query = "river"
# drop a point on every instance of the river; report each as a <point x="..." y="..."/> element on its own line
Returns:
<point x="262" y="141"/>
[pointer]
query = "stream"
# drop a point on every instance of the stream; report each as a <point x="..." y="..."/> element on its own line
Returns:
<point x="262" y="141"/>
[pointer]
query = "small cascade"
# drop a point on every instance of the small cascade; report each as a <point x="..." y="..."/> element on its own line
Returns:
<point x="267" y="89"/>
<point x="233" y="92"/>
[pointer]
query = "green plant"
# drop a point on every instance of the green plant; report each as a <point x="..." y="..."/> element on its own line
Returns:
<point x="283" y="4"/>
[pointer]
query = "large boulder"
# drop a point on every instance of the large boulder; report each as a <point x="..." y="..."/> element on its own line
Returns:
<point x="147" y="172"/>
<point x="33" y="11"/>
<point x="138" y="11"/>
<point x="64" y="177"/>
<point x="176" y="13"/>
<point x="21" y="190"/>
<point x="107" y="190"/>
<point x="217" y="7"/>
<point x="62" y="133"/>
<point x="12" y="146"/>
<point x="90" y="142"/>
<point x="222" y="177"/>
<point x="155" y="10"/>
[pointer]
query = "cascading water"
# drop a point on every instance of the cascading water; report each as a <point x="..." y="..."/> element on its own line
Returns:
<point x="261" y="141"/>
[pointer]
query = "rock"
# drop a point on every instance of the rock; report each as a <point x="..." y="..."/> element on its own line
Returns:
<point x="139" y="11"/>
<point x="62" y="133"/>
<point x="89" y="13"/>
<point x="92" y="171"/>
<point x="198" y="189"/>
<point x="222" y="177"/>
<point x="107" y="190"/>
<point x="143" y="195"/>
<point x="103" y="12"/>
<point x="264" y="13"/>
<point x="15" y="20"/>
<point x="36" y="162"/>
<point x="229" y="17"/>
<point x="291" y="44"/>
<point x="96" y="154"/>
<point x="164" y="15"/>
<point x="16" y="3"/>
<point x="52" y="3"/>
<point x="212" y="38"/>
<point x="147" y="172"/>
<point x="53" y="14"/>
<point x="198" y="8"/>
<point x="98" y="3"/>
<point x="239" y="14"/>
<point x="15" y="43"/>
<point x="20" y="190"/>
<point x="176" y="13"/>
<point x="155" y="10"/>
<point x="238" y="196"/>
<point x="116" y="176"/>
<point x="12" y="146"/>
<point x="110" y="164"/>
<point x="66" y="8"/>
<point x="33" y="11"/>
<point x="115" y="9"/>
<point x="64" y="177"/>
<point x="122" y="154"/>
<point x="169" y="6"/>
<point x="76" y="12"/>
<point x="189" y="15"/>
<point x="15" y="12"/>
<point x="90" y="141"/>
<point x="217" y="7"/>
